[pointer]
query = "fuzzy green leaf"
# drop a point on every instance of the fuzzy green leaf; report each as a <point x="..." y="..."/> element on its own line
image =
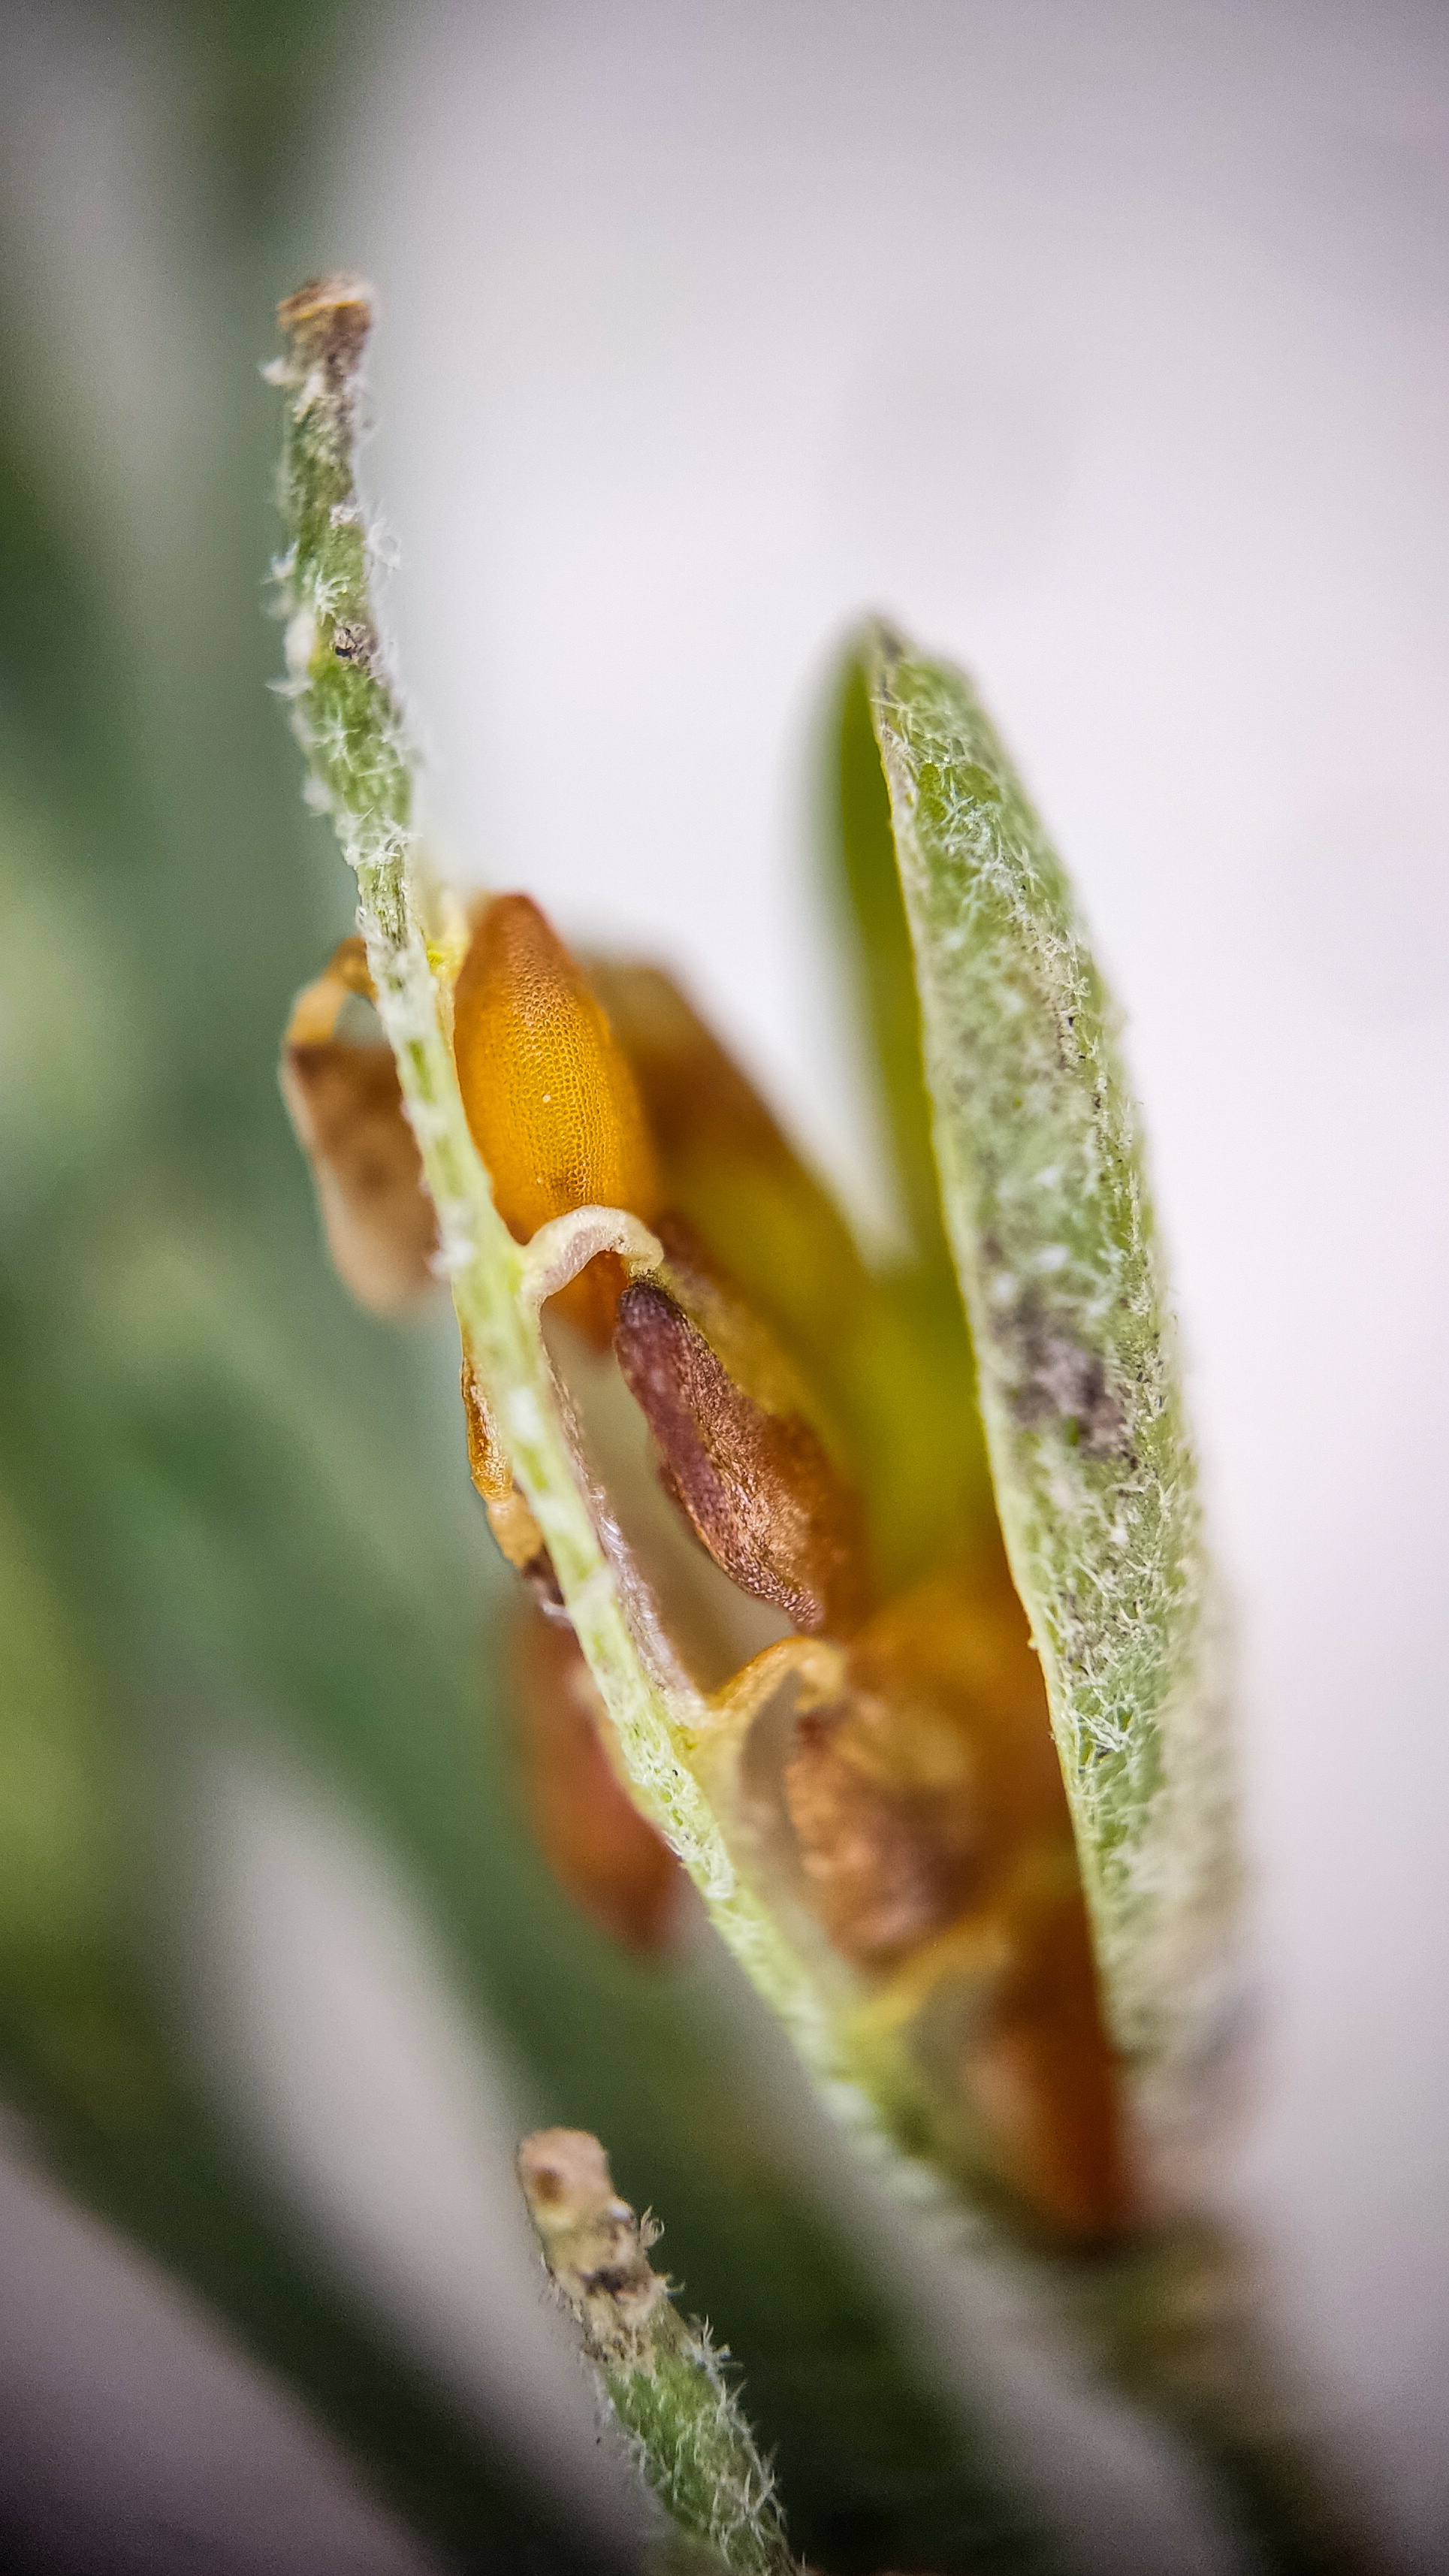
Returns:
<point x="885" y="964"/>
<point x="1040" y="1158"/>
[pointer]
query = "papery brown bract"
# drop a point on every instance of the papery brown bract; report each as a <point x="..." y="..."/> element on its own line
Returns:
<point x="549" y="1094"/>
<point x="343" y="1097"/>
<point x="510" y="1517"/>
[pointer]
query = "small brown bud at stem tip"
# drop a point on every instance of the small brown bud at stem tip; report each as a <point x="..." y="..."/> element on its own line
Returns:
<point x="594" y="2245"/>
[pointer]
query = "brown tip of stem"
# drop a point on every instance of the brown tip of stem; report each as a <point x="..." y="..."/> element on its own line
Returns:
<point x="330" y="318"/>
<point x="565" y="2174"/>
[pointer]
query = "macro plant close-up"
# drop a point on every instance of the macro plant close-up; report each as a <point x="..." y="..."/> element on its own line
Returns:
<point x="629" y="1616"/>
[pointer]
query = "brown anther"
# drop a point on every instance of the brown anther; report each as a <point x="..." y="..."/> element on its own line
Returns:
<point x="758" y="1488"/>
<point x="911" y="1799"/>
<point x="932" y="1830"/>
<point x="890" y="1355"/>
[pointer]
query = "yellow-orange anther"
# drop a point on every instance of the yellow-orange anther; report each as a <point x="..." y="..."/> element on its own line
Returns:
<point x="553" y="1106"/>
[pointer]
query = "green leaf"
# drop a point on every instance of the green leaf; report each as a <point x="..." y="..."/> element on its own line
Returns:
<point x="884" y="961"/>
<point x="913" y="1375"/>
<point x="1039" y="1152"/>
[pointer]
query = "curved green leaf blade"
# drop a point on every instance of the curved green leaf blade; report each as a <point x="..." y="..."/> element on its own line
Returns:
<point x="1042" y="1177"/>
<point x="884" y="963"/>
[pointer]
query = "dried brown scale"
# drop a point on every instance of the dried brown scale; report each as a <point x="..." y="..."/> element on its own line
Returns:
<point x="512" y="1522"/>
<point x="888" y="1868"/>
<point x="345" y="1104"/>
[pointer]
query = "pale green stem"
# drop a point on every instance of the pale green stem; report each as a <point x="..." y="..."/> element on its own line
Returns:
<point x="346" y="716"/>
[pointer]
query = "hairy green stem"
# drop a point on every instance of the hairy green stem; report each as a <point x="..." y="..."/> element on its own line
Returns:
<point x="346" y="716"/>
<point x="664" y="2379"/>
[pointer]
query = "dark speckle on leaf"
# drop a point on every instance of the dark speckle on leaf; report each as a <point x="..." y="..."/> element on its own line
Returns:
<point x="1058" y="1379"/>
<point x="353" y="641"/>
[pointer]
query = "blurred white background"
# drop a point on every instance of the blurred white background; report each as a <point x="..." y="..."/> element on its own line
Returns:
<point x="1108" y="349"/>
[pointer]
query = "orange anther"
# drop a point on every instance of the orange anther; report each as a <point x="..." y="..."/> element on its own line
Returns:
<point x="554" y="1109"/>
